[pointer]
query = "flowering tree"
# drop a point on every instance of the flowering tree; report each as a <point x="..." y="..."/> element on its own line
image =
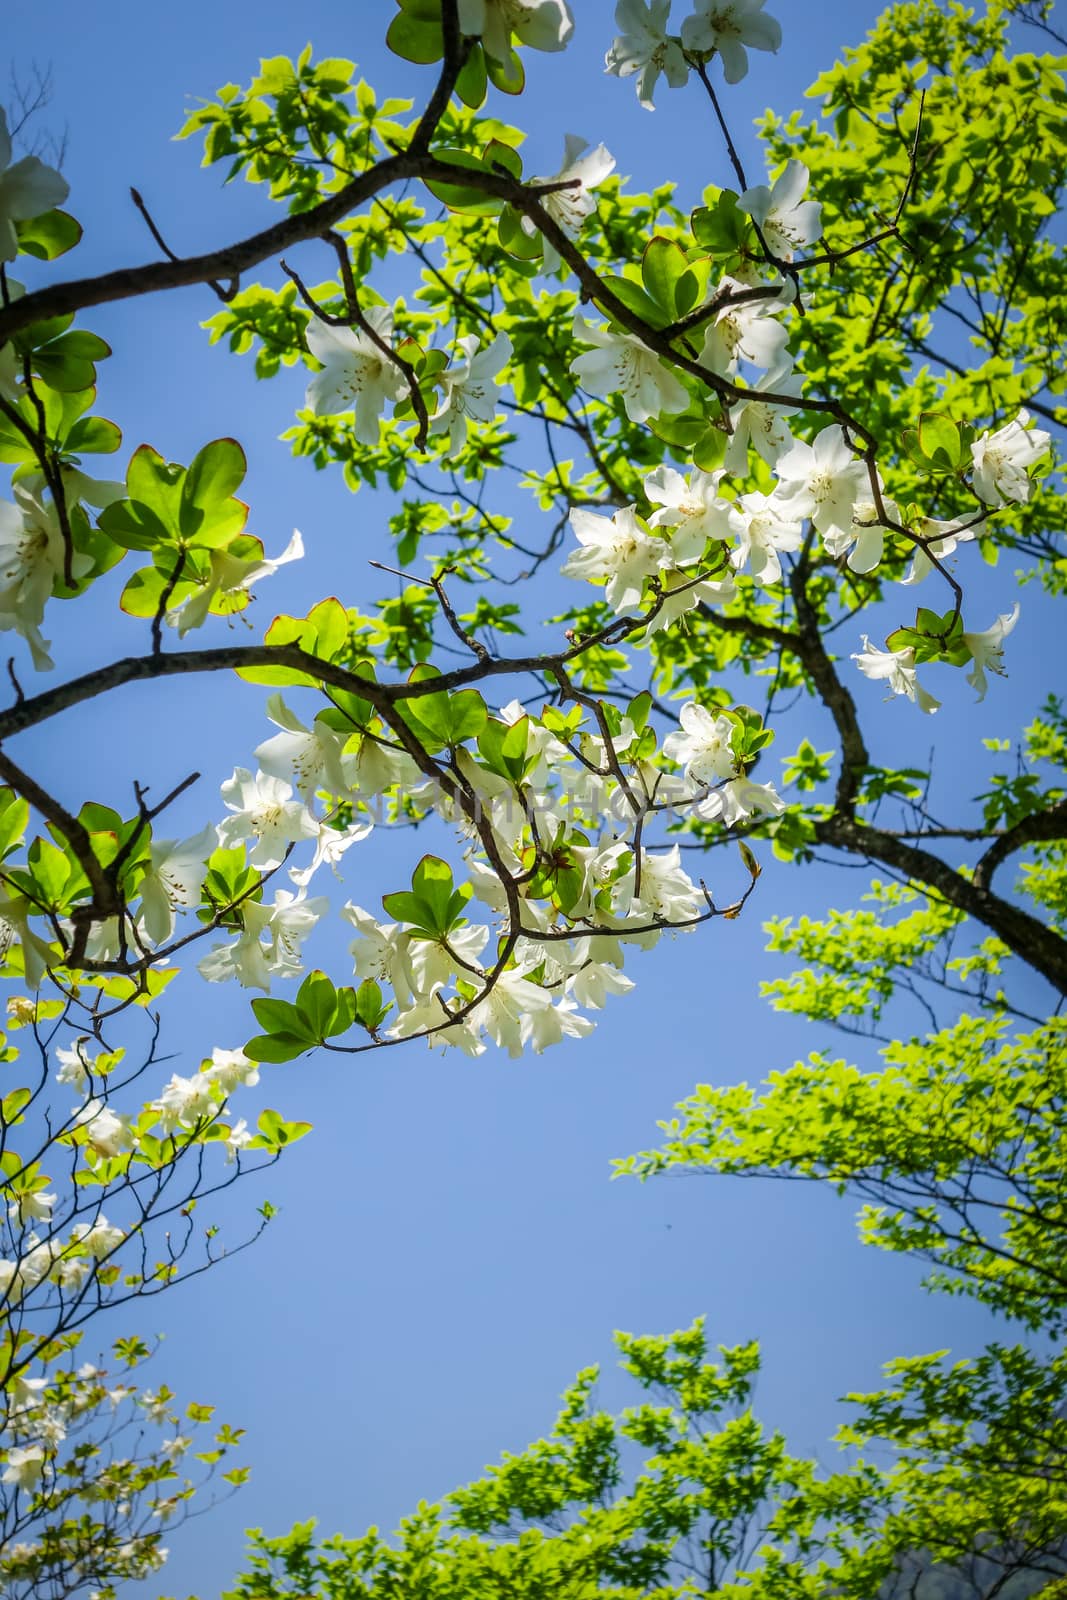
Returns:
<point x="742" y="428"/>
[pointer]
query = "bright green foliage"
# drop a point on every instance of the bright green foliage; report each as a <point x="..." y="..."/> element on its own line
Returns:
<point x="939" y="159"/>
<point x="716" y="1502"/>
<point x="686" y="1494"/>
<point x="958" y="1145"/>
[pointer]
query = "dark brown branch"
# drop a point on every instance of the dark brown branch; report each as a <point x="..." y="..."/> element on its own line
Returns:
<point x="106" y="902"/>
<point x="225" y="294"/>
<point x="1038" y="828"/>
<point x="456" y="51"/>
<point x="1028" y="938"/>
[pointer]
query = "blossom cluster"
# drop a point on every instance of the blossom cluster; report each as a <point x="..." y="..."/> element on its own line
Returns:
<point x="136" y="1493"/>
<point x="726" y="28"/>
<point x="615" y="892"/>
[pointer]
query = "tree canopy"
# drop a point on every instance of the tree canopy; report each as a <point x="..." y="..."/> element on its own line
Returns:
<point x="747" y="429"/>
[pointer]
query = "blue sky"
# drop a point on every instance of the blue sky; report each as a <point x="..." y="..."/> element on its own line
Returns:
<point x="450" y="1249"/>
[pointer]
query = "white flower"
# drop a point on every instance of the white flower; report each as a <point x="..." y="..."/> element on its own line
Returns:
<point x="864" y="538"/>
<point x="172" y="1449"/>
<point x="32" y="1205"/>
<point x="738" y="799"/>
<point x="759" y="423"/>
<point x="644" y="47"/>
<point x="37" y="954"/>
<point x="52" y="1426"/>
<point x="508" y="1009"/>
<point x="96" y="492"/>
<point x="357" y="376"/>
<point x="438" y="961"/>
<point x="541" y="24"/>
<point x="703" y="746"/>
<point x="231" y="1069"/>
<point x="229" y="579"/>
<point x="469" y="386"/>
<point x="238" y="1139"/>
<point x="284" y="925"/>
<point x="186" y="1100"/>
<point x="822" y="481"/>
<point x="593" y="982"/>
<point x="263" y="811"/>
<point x="987" y="650"/>
<point x="666" y="891"/>
<point x="569" y="208"/>
<point x="897" y="668"/>
<point x="32" y="559"/>
<point x="1002" y="459"/>
<point x="788" y="221"/>
<point x="24" y="1466"/>
<point x="616" y="548"/>
<point x="382" y="953"/>
<point x="745" y="331"/>
<point x="765" y="532"/>
<point x="374" y="767"/>
<point x="38" y="1261"/>
<point x="552" y="1024"/>
<point x="943" y="537"/>
<point x="680" y="594"/>
<point x="311" y="755"/>
<point x="620" y="364"/>
<point x="27" y="189"/>
<point x="155" y="1406"/>
<point x="74" y="1065"/>
<point x="107" y="1132"/>
<point x="728" y="26"/>
<point x="25" y="1392"/>
<point x="692" y="508"/>
<point x="71" y="1272"/>
<point x="174" y="879"/>
<point x="101" y="1239"/>
<point x="330" y="846"/>
<point x="430" y="1013"/>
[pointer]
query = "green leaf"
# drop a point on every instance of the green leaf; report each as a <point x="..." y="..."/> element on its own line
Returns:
<point x="275" y="1048"/>
<point x="13" y="1105"/>
<point x="635" y="299"/>
<point x="509" y="76"/>
<point x="720" y="229"/>
<point x="214" y="474"/>
<point x="638" y="710"/>
<point x="473" y="81"/>
<point x="14" y="815"/>
<point x="939" y="441"/>
<point x="48" y="236"/>
<point x="503" y="747"/>
<point x="280" y="1016"/>
<point x="144" y="591"/>
<point x="324" y="632"/>
<point x="514" y="238"/>
<point x="449" y="719"/>
<point x="94" y="436"/>
<point x="370" y="1009"/>
<point x="277" y="1131"/>
<point x="497" y="154"/>
<point x="316" y="1001"/>
<point x="458" y="196"/>
<point x="416" y="39"/>
<point x="710" y="449"/>
<point x="662" y="265"/>
<point x="433" y="905"/>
